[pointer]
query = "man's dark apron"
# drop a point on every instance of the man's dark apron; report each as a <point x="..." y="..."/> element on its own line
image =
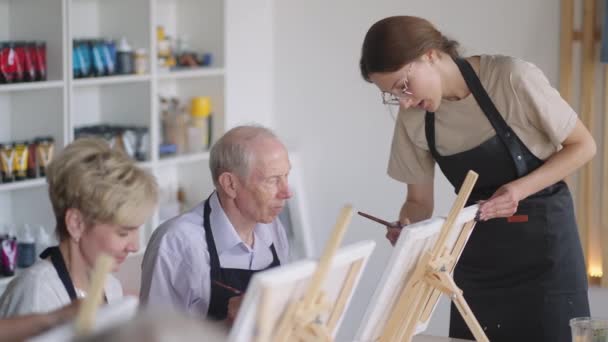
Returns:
<point x="237" y="279"/>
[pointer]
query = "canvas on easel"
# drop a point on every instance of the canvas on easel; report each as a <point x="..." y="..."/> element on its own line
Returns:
<point x="305" y="300"/>
<point x="107" y="316"/>
<point x="294" y="217"/>
<point x="419" y="271"/>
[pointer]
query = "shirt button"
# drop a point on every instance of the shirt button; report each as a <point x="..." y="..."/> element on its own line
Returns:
<point x="518" y="157"/>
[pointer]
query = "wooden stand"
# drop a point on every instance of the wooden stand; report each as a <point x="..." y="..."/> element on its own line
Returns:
<point x="432" y="277"/>
<point x="86" y="313"/>
<point x="301" y="321"/>
<point x="604" y="198"/>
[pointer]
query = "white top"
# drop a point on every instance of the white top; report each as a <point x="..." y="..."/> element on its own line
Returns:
<point x="39" y="289"/>
<point x="176" y="266"/>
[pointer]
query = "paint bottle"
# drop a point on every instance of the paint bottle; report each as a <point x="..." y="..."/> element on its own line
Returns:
<point x="109" y="56"/>
<point x="26" y="248"/>
<point x="45" y="147"/>
<point x="32" y="165"/>
<point x="99" y="68"/>
<point x="10" y="68"/>
<point x="198" y="131"/>
<point x="141" y="61"/>
<point x="124" y="58"/>
<point x="8" y="255"/>
<point x="44" y="239"/>
<point x="20" y="160"/>
<point x="86" y="58"/>
<point x="24" y="54"/>
<point x="7" y="156"/>
<point x="76" y="59"/>
<point x="40" y="61"/>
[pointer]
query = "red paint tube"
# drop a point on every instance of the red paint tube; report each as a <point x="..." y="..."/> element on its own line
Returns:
<point x="29" y="67"/>
<point x="10" y="67"/>
<point x="40" y="61"/>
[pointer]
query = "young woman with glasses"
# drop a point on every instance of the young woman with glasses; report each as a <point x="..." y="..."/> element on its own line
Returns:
<point x="522" y="271"/>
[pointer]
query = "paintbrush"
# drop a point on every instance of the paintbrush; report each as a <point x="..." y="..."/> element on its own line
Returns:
<point x="381" y="221"/>
<point x="227" y="287"/>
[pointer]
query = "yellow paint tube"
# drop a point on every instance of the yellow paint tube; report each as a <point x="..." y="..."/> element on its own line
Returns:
<point x="20" y="161"/>
<point x="45" y="148"/>
<point x="7" y="155"/>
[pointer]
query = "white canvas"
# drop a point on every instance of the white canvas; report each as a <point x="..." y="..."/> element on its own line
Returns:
<point x="413" y="242"/>
<point x="288" y="283"/>
<point x="294" y="216"/>
<point x="107" y="316"/>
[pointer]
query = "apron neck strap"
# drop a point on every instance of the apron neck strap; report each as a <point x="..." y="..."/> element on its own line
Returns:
<point x="62" y="270"/>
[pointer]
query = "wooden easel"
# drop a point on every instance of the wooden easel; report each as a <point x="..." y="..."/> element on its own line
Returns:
<point x="85" y="318"/>
<point x="301" y="321"/>
<point x="432" y="277"/>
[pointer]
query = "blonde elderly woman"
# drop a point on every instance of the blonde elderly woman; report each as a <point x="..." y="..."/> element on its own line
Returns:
<point x="100" y="199"/>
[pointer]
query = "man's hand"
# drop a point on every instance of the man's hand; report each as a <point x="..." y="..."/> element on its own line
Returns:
<point x="234" y="304"/>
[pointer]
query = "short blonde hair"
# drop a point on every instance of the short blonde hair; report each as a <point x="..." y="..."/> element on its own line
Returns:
<point x="104" y="184"/>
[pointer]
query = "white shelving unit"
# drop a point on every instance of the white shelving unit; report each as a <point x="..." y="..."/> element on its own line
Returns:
<point x="5" y="88"/>
<point x="110" y="80"/>
<point x="238" y="33"/>
<point x="182" y="74"/>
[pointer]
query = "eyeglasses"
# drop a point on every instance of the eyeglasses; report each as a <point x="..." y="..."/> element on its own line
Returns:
<point x="390" y="98"/>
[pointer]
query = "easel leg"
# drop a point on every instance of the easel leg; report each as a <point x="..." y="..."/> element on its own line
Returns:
<point x="467" y="315"/>
<point x="463" y="308"/>
<point x="408" y="298"/>
<point x="410" y="325"/>
<point x="263" y="324"/>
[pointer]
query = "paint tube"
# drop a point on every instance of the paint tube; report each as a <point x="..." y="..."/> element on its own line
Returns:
<point x="20" y="161"/>
<point x="7" y="155"/>
<point x="45" y="148"/>
<point x="32" y="165"/>
<point x="8" y="255"/>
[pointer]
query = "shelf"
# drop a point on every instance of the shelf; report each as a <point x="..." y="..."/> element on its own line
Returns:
<point x="30" y="86"/>
<point x="108" y="80"/>
<point x="183" y="159"/>
<point x="191" y="73"/>
<point x="57" y="106"/>
<point x="30" y="183"/>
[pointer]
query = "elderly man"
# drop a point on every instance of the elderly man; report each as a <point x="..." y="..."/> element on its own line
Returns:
<point x="201" y="261"/>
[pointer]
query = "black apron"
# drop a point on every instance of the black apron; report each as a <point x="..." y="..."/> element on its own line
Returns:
<point x="232" y="277"/>
<point x="62" y="270"/>
<point x="523" y="278"/>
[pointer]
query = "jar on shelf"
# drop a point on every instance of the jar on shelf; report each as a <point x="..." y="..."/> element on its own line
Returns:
<point x="199" y="129"/>
<point x="141" y="61"/>
<point x="124" y="57"/>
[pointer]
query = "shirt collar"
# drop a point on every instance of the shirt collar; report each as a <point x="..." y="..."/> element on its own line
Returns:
<point x="224" y="234"/>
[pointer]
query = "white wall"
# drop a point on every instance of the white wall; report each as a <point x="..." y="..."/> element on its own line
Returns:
<point x="324" y="110"/>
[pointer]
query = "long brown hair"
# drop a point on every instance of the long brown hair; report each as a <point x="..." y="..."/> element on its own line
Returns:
<point x="394" y="42"/>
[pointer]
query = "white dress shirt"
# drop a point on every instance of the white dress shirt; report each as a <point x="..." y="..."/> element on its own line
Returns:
<point x="176" y="266"/>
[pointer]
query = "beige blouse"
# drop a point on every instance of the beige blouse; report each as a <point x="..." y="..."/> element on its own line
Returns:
<point x="522" y="94"/>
